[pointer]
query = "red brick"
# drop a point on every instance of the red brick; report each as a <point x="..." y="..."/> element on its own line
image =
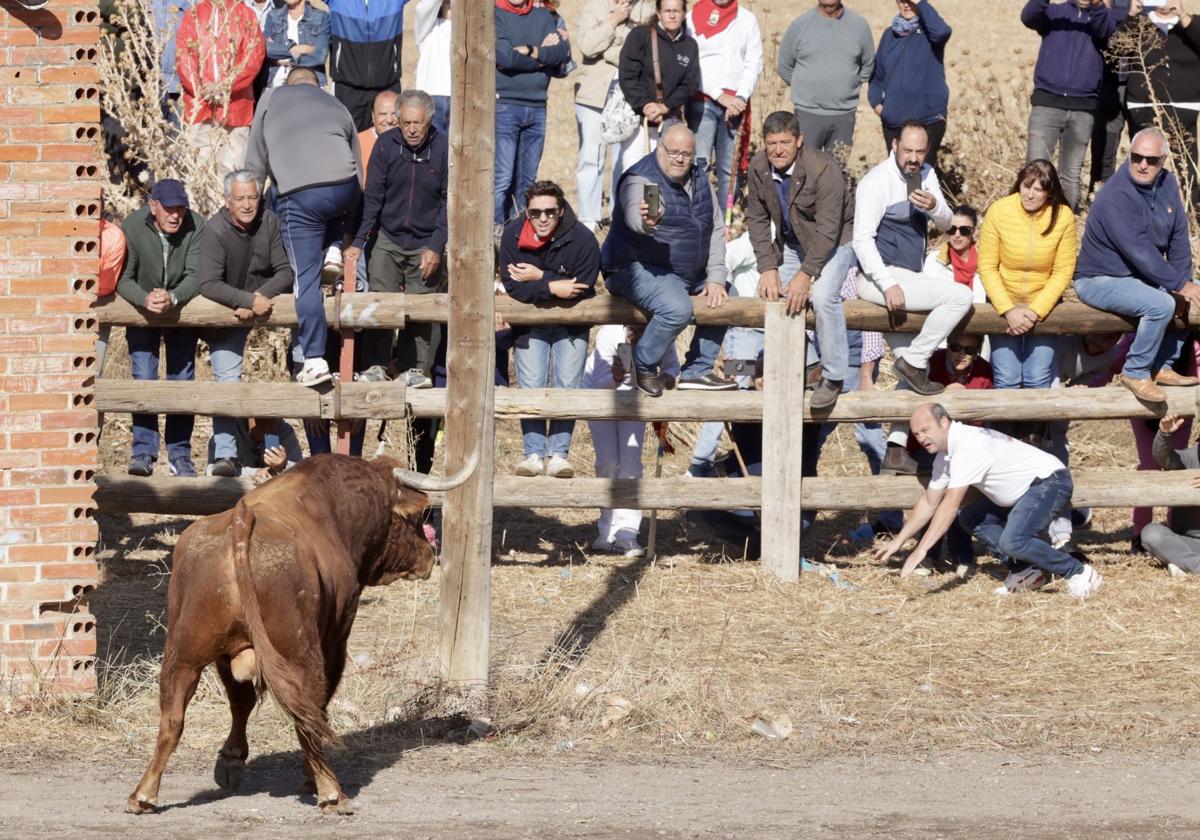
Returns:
<point x="17" y="306"/>
<point x="36" y="631"/>
<point x="36" y="402"/>
<point x="78" y="456"/>
<point x="20" y="384"/>
<point x="40" y="55"/>
<point x="77" y="344"/>
<point x="17" y="574"/>
<point x="67" y="647"/>
<point x="12" y="151"/>
<point x="38" y="325"/>
<point x="87" y="532"/>
<point x="70" y="113"/>
<point x="65" y="495"/>
<point x="17" y="458"/>
<point x="68" y="571"/>
<point x="66" y="305"/>
<point x="39" y="440"/>
<point x="17" y="496"/>
<point x="54" y="591"/>
<point x="18" y="612"/>
<point x="19" y="422"/>
<point x="53" y="554"/>
<point x="37" y="208"/>
<point x="18" y="228"/>
<point x="17" y="345"/>
<point x="20" y="191"/>
<point x="78" y="74"/>
<point x="18" y="37"/>
<point x="39" y="515"/>
<point x="40" y="364"/>
<point x="72" y="151"/>
<point x="38" y="247"/>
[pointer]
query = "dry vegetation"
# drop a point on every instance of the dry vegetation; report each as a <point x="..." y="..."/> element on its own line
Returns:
<point x="675" y="659"/>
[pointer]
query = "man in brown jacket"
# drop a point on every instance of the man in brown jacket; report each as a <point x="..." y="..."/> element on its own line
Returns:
<point x="804" y="253"/>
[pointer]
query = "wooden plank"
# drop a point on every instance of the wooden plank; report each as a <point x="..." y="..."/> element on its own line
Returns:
<point x="388" y="399"/>
<point x="464" y="615"/>
<point x="784" y="358"/>
<point x="1110" y="489"/>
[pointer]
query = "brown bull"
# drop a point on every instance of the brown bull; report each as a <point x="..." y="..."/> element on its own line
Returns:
<point x="268" y="591"/>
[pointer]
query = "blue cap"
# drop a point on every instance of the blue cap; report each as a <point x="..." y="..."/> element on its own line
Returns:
<point x="169" y="192"/>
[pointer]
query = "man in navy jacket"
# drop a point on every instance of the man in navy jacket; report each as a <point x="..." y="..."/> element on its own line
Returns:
<point x="1136" y="260"/>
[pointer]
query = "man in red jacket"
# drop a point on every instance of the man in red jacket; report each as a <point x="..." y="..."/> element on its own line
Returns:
<point x="219" y="49"/>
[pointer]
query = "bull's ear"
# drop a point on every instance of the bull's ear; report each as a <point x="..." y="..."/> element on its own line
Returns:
<point x="410" y="502"/>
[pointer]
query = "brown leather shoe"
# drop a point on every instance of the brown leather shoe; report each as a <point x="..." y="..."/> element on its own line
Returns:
<point x="916" y="378"/>
<point x="1169" y="378"/>
<point x="1144" y="389"/>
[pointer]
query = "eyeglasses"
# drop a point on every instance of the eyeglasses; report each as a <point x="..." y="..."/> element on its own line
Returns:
<point x="962" y="230"/>
<point x="537" y="213"/>
<point x="955" y="347"/>
<point x="1153" y="160"/>
<point x="680" y="156"/>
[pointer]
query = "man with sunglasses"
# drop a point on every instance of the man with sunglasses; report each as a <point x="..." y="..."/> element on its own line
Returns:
<point x="1136" y="260"/>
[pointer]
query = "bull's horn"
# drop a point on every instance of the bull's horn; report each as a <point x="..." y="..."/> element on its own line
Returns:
<point x="433" y="484"/>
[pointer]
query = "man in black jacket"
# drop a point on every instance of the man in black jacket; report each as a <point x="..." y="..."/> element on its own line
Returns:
<point x="242" y="266"/>
<point x="545" y="254"/>
<point x="405" y="203"/>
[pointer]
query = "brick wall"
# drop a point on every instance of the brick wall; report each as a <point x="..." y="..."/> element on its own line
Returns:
<point x="49" y="225"/>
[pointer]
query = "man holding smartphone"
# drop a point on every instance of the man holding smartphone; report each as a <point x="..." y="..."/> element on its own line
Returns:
<point x="667" y="244"/>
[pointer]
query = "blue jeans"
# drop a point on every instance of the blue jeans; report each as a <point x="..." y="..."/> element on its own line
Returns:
<point x="1014" y="533"/>
<point x="716" y="140"/>
<point x="441" y="114"/>
<point x="520" y="136"/>
<point x="1154" y="346"/>
<point x="1024" y="361"/>
<point x="667" y="297"/>
<point x="226" y="348"/>
<point x="311" y="220"/>
<point x="181" y="366"/>
<point x="549" y="357"/>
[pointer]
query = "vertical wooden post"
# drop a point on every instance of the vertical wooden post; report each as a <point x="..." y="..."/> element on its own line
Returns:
<point x="465" y="611"/>
<point x="346" y="360"/>
<point x="783" y="433"/>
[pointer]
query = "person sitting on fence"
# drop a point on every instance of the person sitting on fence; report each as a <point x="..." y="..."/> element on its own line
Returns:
<point x="1022" y="489"/>
<point x="162" y="255"/>
<point x="405" y="208"/>
<point x="957" y="259"/>
<point x="894" y="204"/>
<point x="804" y="252"/>
<point x="265" y="447"/>
<point x="658" y="261"/>
<point x="618" y="443"/>
<point x="1177" y="543"/>
<point x="548" y="256"/>
<point x="306" y="141"/>
<point x="242" y="266"/>
<point x="1136" y="260"/>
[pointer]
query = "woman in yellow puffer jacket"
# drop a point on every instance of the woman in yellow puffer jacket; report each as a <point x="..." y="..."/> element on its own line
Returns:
<point x="1027" y="255"/>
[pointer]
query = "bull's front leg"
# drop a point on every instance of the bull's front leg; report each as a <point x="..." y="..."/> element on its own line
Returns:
<point x="176" y="685"/>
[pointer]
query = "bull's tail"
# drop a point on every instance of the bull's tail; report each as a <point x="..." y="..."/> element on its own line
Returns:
<point x="285" y="683"/>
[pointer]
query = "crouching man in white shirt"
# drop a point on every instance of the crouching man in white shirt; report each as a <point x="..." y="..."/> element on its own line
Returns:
<point x="1023" y="488"/>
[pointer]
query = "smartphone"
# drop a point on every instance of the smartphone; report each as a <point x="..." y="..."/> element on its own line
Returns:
<point x="625" y="354"/>
<point x="912" y="181"/>
<point x="650" y="196"/>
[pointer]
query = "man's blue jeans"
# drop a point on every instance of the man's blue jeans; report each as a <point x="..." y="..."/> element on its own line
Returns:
<point x="716" y="140"/>
<point x="667" y="297"/>
<point x="1024" y="361"/>
<point x="1154" y="346"/>
<point x="312" y="219"/>
<point x="181" y="366"/>
<point x="226" y="348"/>
<point x="549" y="357"/>
<point x="1015" y="533"/>
<point x="441" y="114"/>
<point x="520" y="136"/>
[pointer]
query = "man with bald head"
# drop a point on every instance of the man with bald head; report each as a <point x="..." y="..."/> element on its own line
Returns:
<point x="1136" y="260"/>
<point x="1022" y="488"/>
<point x="668" y="243"/>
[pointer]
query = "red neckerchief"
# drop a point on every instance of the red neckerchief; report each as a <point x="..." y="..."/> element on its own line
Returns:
<point x="964" y="267"/>
<point x="709" y="19"/>
<point x="527" y="240"/>
<point x="506" y="6"/>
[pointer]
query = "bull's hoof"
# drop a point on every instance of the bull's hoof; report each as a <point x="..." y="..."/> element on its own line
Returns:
<point x="229" y="771"/>
<point x="137" y="804"/>
<point x="340" y="807"/>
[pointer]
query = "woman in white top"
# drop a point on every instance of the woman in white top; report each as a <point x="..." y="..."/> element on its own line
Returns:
<point x="433" y="60"/>
<point x="618" y="443"/>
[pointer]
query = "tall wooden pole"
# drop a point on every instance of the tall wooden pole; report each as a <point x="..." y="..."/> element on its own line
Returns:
<point x="465" y="612"/>
<point x="783" y="431"/>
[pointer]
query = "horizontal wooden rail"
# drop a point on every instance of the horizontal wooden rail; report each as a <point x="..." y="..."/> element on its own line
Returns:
<point x="199" y="496"/>
<point x="375" y="310"/>
<point x="385" y="400"/>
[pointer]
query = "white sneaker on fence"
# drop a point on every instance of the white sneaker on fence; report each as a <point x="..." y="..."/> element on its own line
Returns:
<point x="1085" y="583"/>
<point x="531" y="466"/>
<point x="559" y="467"/>
<point x="315" y="372"/>
<point x="1026" y="580"/>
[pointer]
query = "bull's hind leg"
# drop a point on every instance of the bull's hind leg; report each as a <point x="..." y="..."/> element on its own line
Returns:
<point x="231" y="760"/>
<point x="176" y="686"/>
<point x="331" y="799"/>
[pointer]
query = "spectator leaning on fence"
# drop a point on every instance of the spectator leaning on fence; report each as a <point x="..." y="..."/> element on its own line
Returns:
<point x="1022" y="488"/>
<point x="1136" y="260"/>
<point x="603" y="27"/>
<point x="305" y="140"/>
<point x="432" y="27"/>
<point x="242" y="266"/>
<point x="909" y="79"/>
<point x="659" y="262"/>
<point x="265" y="447"/>
<point x="383" y="118"/>
<point x="957" y="259"/>
<point x="218" y="51"/>
<point x="1026" y="261"/>
<point x="826" y="55"/>
<point x="405" y="209"/>
<point x="1175" y="544"/>
<point x="162" y="254"/>
<point x="1066" y="81"/>
<point x="799" y="214"/>
<point x="365" y="41"/>
<point x="297" y="36"/>
<point x="731" y="58"/>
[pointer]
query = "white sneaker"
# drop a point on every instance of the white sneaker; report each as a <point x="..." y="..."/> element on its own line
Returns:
<point x="629" y="547"/>
<point x="531" y="466"/>
<point x="1086" y="583"/>
<point x="314" y="372"/>
<point x="1024" y="581"/>
<point x="1175" y="572"/>
<point x="559" y="467"/>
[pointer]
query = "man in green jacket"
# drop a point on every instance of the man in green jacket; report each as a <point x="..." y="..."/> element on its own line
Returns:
<point x="163" y="252"/>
